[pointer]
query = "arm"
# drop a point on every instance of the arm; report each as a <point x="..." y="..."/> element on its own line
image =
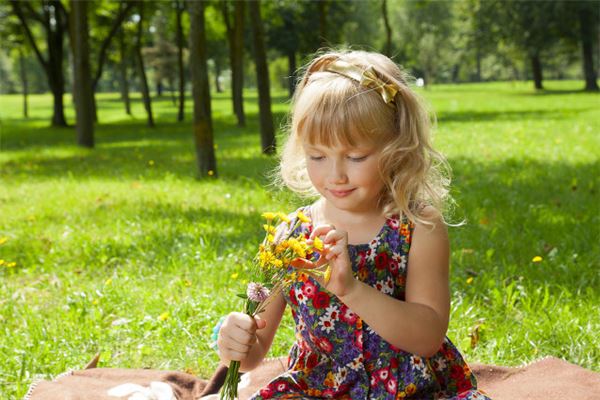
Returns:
<point x="418" y="324"/>
<point x="247" y="339"/>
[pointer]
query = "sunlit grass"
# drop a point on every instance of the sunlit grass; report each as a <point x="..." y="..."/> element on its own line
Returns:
<point x="122" y="250"/>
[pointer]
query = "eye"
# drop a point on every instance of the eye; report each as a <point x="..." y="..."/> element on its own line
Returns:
<point x="357" y="159"/>
<point x="316" y="158"/>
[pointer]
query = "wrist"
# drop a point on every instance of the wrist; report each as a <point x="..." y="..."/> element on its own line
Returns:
<point x="352" y="293"/>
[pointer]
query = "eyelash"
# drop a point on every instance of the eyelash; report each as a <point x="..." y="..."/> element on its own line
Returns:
<point x="353" y="159"/>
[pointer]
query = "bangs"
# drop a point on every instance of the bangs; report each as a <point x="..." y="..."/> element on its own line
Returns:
<point x="337" y="111"/>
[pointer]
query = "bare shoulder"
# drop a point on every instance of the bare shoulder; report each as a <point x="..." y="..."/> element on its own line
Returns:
<point x="434" y="222"/>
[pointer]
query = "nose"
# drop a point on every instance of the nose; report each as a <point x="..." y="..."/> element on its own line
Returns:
<point x="338" y="175"/>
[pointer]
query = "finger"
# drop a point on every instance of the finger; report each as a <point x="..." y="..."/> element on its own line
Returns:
<point x="245" y="322"/>
<point x="333" y="237"/>
<point x="321" y="230"/>
<point x="335" y="251"/>
<point x="234" y="355"/>
<point x="302" y="263"/>
<point x="260" y="323"/>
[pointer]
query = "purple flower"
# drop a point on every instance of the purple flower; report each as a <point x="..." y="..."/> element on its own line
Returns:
<point x="257" y="292"/>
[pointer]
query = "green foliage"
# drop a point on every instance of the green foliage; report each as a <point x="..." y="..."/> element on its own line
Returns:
<point x="122" y="250"/>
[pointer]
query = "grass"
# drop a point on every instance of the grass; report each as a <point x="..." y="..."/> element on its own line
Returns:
<point x="122" y="250"/>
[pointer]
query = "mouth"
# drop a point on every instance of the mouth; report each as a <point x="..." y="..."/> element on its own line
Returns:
<point x="341" y="193"/>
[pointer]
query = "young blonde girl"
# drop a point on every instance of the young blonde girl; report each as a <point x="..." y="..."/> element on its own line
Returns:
<point x="376" y="329"/>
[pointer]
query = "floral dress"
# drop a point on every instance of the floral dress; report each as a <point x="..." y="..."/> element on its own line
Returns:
<point x="337" y="355"/>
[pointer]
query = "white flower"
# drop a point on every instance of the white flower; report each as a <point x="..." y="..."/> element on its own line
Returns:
<point x="340" y="376"/>
<point x="326" y="323"/>
<point x="357" y="363"/>
<point x="385" y="286"/>
<point x="419" y="365"/>
<point x="257" y="292"/>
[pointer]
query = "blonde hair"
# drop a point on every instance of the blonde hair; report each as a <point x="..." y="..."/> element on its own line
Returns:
<point x="329" y="108"/>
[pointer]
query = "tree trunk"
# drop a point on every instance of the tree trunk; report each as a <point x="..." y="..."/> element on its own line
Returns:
<point x="54" y="43"/>
<point x="322" y="23"/>
<point x="55" y="62"/>
<point x="237" y="62"/>
<point x="82" y="75"/>
<point x="203" y="130"/>
<point x="141" y="68"/>
<point x="536" y="69"/>
<point x="123" y="73"/>
<point x="267" y="133"/>
<point x="586" y="24"/>
<point x="388" y="29"/>
<point x="24" y="85"/>
<point x="181" y="111"/>
<point x="291" y="72"/>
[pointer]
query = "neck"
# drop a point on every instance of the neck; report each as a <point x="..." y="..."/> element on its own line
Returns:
<point x="326" y="213"/>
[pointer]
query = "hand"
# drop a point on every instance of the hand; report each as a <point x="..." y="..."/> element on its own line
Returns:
<point x="335" y="252"/>
<point x="237" y="336"/>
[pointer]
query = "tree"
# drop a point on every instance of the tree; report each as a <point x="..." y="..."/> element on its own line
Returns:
<point x="82" y="80"/>
<point x="179" y="8"/>
<point x="140" y="65"/>
<point x="235" y="37"/>
<point x="267" y="133"/>
<point x="203" y="129"/>
<point x="106" y="18"/>
<point x="54" y="20"/>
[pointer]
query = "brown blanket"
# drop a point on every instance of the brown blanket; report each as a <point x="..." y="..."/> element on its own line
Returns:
<point x="549" y="378"/>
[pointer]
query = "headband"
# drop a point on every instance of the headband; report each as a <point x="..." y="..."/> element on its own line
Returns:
<point x="365" y="77"/>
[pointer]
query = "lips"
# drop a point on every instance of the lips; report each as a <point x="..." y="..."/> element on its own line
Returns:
<point x="341" y="193"/>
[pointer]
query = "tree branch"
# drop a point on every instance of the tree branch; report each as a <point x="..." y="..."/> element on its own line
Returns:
<point x="17" y="8"/>
<point x="31" y="13"/>
<point x="104" y="48"/>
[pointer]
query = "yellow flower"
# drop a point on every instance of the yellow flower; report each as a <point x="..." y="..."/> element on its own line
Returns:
<point x="1" y="262"/>
<point x="269" y="216"/>
<point x="187" y="283"/>
<point x="164" y="316"/>
<point x="95" y="302"/>
<point x="469" y="280"/>
<point x="277" y="263"/>
<point x="211" y="172"/>
<point x="3" y="240"/>
<point x="537" y="259"/>
<point x="108" y="281"/>
<point x="283" y="217"/>
<point x="266" y="258"/>
<point x="234" y="275"/>
<point x="303" y="218"/>
<point x="269" y="228"/>
<point x="11" y="264"/>
<point x="327" y="275"/>
<point x="411" y="389"/>
<point x="299" y="248"/>
<point x="270" y="238"/>
<point x="318" y="243"/>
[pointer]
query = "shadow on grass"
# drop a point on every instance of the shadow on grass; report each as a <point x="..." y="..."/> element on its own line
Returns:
<point x="518" y="209"/>
<point x="478" y="116"/>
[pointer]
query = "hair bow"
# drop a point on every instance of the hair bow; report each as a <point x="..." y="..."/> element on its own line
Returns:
<point x="365" y="77"/>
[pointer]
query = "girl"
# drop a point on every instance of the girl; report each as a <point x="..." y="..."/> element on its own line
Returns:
<point x="376" y="329"/>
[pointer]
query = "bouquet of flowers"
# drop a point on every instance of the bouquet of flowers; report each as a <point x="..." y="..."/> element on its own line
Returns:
<point x="270" y="273"/>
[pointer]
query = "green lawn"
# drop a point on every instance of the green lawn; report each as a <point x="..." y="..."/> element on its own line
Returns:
<point x="122" y="250"/>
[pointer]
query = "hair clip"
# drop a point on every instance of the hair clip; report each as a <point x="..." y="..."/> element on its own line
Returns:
<point x="365" y="77"/>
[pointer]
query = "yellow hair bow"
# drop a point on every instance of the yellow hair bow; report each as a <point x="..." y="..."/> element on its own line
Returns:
<point x="367" y="78"/>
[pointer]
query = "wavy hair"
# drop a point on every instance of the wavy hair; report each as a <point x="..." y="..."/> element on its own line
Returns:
<point x="330" y="108"/>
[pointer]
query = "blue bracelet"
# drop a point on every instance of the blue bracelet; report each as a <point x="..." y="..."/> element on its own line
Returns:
<point x="215" y="334"/>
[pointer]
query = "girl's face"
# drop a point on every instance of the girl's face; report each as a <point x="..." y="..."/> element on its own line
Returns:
<point x="347" y="177"/>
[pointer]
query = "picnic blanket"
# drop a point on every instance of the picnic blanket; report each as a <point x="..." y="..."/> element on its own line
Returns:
<point x="545" y="379"/>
